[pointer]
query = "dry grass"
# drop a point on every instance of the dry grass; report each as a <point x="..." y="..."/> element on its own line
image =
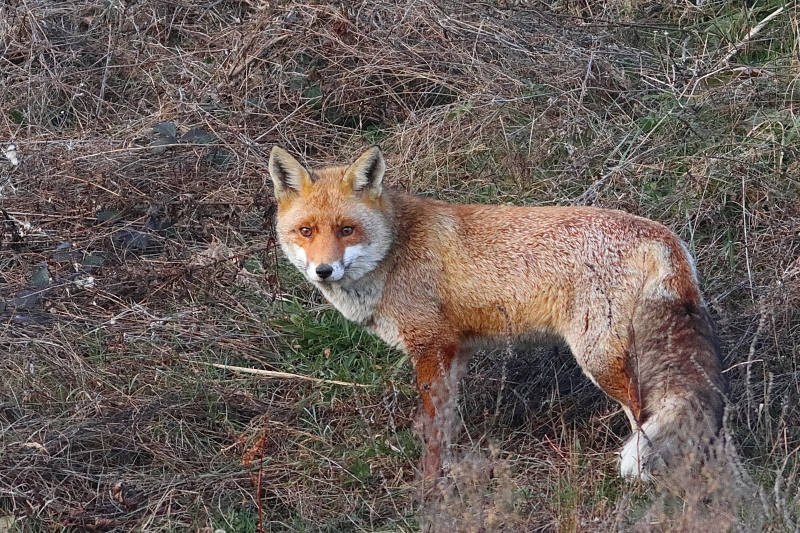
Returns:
<point x="136" y="248"/>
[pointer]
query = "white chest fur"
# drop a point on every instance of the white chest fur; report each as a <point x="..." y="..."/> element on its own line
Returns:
<point x="359" y="302"/>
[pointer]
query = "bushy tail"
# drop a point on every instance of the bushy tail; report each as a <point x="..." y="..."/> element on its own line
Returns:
<point x="682" y="389"/>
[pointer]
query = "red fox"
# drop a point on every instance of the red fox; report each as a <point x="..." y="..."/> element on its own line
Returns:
<point x="440" y="281"/>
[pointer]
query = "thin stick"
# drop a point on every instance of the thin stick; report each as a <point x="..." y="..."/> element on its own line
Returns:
<point x="721" y="65"/>
<point x="87" y="182"/>
<point x="259" y="500"/>
<point x="240" y="65"/>
<point x="105" y="75"/>
<point x="752" y="33"/>
<point x="586" y="78"/>
<point x="286" y="375"/>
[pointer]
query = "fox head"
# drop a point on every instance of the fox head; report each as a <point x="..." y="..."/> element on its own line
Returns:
<point x="332" y="223"/>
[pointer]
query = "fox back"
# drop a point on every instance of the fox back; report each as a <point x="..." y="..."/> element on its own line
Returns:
<point x="439" y="281"/>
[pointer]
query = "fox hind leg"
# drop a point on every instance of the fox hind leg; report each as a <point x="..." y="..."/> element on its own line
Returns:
<point x="667" y="378"/>
<point x="611" y="367"/>
<point x="619" y="381"/>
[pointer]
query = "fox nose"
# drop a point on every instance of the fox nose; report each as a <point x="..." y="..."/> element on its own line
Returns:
<point x="324" y="271"/>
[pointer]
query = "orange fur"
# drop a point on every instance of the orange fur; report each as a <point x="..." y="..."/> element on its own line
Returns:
<point x="439" y="280"/>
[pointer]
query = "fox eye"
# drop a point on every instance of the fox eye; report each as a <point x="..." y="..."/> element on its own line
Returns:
<point x="306" y="231"/>
<point x="346" y="231"/>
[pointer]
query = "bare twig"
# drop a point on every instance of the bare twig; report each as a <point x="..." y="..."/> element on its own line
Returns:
<point x="288" y="375"/>
<point x="102" y="95"/>
<point x="754" y="31"/>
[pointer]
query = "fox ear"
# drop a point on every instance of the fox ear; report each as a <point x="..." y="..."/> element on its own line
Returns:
<point x="288" y="175"/>
<point x="366" y="174"/>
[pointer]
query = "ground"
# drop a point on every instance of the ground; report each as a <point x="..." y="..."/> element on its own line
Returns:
<point x="137" y="251"/>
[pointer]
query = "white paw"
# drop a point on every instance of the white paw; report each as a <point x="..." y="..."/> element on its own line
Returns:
<point x="633" y="457"/>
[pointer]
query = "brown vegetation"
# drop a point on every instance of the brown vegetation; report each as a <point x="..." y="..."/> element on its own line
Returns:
<point x="136" y="250"/>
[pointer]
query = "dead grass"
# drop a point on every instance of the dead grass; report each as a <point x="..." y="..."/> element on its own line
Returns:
<point x="135" y="248"/>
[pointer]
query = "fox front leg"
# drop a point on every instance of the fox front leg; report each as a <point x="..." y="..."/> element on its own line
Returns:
<point x="437" y="375"/>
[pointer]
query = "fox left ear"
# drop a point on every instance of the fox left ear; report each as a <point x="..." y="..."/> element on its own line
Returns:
<point x="366" y="174"/>
<point x="288" y="175"/>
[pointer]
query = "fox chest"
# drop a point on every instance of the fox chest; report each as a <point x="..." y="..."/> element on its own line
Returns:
<point x="360" y="304"/>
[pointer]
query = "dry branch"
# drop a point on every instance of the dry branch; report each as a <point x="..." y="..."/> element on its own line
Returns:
<point x="288" y="375"/>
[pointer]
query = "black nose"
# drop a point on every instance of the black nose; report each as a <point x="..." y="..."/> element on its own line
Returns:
<point x="324" y="271"/>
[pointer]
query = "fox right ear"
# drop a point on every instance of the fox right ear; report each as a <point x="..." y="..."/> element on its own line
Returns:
<point x="366" y="174"/>
<point x="288" y="175"/>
